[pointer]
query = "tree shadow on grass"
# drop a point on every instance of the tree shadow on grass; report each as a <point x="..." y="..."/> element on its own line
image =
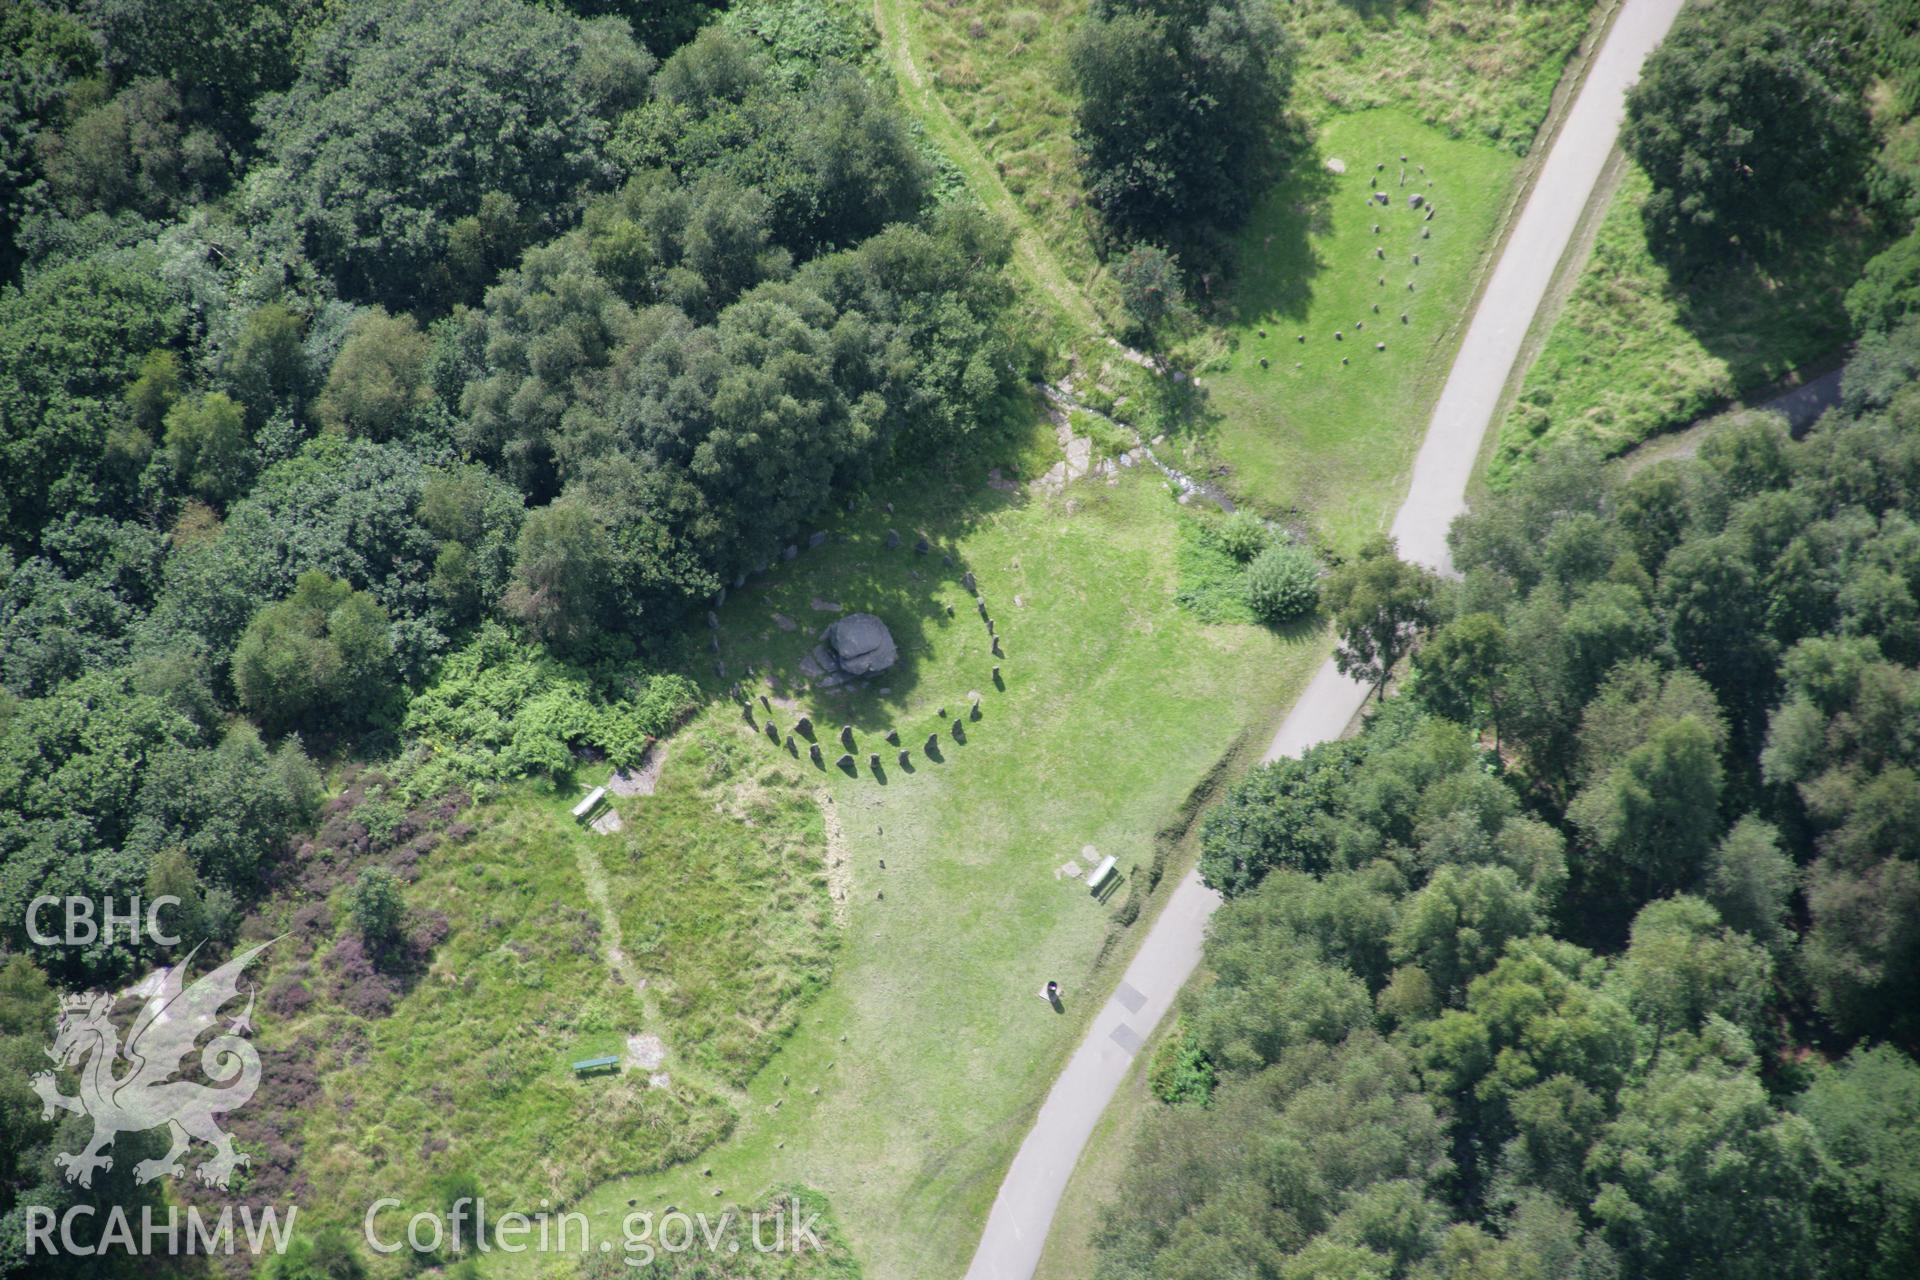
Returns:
<point x="1275" y="262"/>
<point x="1768" y="318"/>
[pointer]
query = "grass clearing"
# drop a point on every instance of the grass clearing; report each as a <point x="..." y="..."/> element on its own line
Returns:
<point x="719" y="886"/>
<point x="909" y="1081"/>
<point x="1323" y="440"/>
<point x="1632" y="355"/>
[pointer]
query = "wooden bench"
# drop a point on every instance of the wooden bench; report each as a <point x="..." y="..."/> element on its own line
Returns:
<point x="584" y="810"/>
<point x="586" y="1065"/>
<point x="1098" y="876"/>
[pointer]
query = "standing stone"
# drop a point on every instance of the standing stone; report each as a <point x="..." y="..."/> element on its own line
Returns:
<point x="789" y="552"/>
<point x="816" y="540"/>
<point x="996" y="673"/>
<point x="773" y="733"/>
<point x="990" y="626"/>
<point x="719" y="597"/>
<point x="793" y="747"/>
<point x="982" y="606"/>
<point x="720" y="669"/>
<point x="746" y="709"/>
<point x="966" y="580"/>
<point x="713" y="620"/>
<point x="921" y="546"/>
<point x="740" y="582"/>
<point x="959" y="730"/>
<point x="846" y="736"/>
<point x="713" y="643"/>
<point x="873" y="761"/>
<point x="766" y="702"/>
<point x="893" y="539"/>
<point x="813" y="752"/>
<point x="893" y="737"/>
<point x="905" y="757"/>
<point x="996" y="642"/>
<point x="933" y="743"/>
<point x="845" y="762"/>
<point x="804" y="726"/>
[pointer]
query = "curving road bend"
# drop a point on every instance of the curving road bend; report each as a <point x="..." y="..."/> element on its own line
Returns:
<point x="1023" y="1211"/>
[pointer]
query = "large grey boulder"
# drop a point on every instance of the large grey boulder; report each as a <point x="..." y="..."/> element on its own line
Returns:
<point x="859" y="645"/>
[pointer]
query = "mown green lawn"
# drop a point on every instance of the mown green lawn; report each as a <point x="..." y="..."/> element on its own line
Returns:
<point x="1634" y="353"/>
<point x="1307" y="433"/>
<point x="911" y="1078"/>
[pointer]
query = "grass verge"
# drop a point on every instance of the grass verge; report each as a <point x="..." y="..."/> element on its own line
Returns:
<point x="1633" y="353"/>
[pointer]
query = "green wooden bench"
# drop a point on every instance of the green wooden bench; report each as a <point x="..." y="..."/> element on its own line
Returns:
<point x="586" y="1065"/>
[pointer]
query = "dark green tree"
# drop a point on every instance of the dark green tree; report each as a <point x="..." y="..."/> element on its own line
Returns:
<point x="1748" y="128"/>
<point x="1866" y="1111"/>
<point x="1380" y="605"/>
<point x="1699" y="1174"/>
<point x="207" y="443"/>
<point x="376" y="905"/>
<point x="406" y="114"/>
<point x="321" y="656"/>
<point x="1180" y="106"/>
<point x="378" y="386"/>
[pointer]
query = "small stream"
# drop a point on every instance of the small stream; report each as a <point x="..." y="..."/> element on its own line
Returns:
<point x="1064" y="400"/>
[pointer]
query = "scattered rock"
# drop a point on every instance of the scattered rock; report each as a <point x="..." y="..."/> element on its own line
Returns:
<point x="785" y="623"/>
<point x="816" y="540"/>
<point x="647" y="1052"/>
<point x="789" y="552"/>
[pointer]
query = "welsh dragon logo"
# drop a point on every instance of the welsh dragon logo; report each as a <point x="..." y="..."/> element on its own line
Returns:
<point x="145" y="1096"/>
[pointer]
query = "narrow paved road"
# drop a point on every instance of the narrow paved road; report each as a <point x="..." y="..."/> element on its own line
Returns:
<point x="1022" y="1213"/>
